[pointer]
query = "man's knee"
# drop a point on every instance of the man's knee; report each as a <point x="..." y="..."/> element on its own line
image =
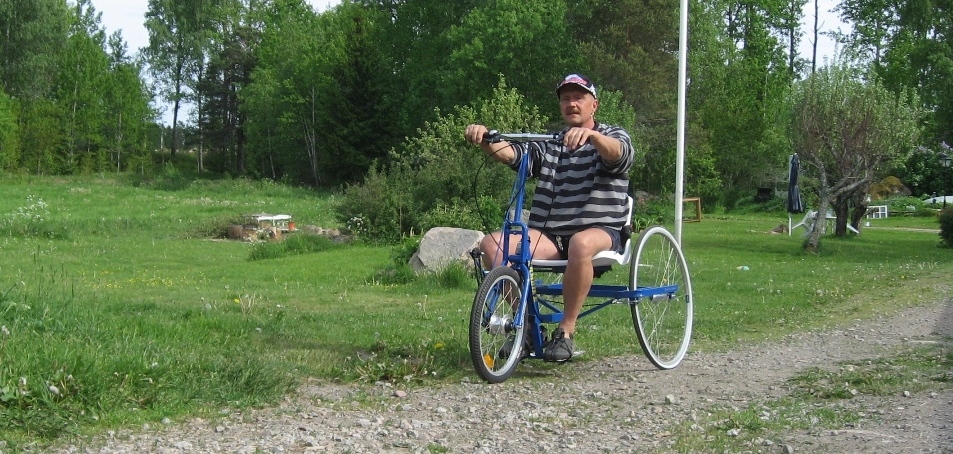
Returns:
<point x="490" y="242"/>
<point x="586" y="244"/>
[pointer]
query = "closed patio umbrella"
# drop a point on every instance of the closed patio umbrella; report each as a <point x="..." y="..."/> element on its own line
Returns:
<point x="794" y="204"/>
<point x="794" y="193"/>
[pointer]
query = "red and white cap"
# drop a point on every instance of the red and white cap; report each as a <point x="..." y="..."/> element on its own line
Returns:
<point x="580" y="80"/>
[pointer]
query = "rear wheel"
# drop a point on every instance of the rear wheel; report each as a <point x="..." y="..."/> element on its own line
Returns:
<point x="496" y="345"/>
<point x="663" y="321"/>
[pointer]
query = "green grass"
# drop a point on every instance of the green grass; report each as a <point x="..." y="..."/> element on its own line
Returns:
<point x="123" y="298"/>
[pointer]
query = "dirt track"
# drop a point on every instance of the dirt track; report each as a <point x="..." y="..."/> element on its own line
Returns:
<point x="614" y="405"/>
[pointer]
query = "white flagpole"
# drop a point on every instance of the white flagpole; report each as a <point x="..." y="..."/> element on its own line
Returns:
<point x="680" y="137"/>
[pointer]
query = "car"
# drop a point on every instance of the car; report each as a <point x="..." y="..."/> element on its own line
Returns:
<point x="939" y="200"/>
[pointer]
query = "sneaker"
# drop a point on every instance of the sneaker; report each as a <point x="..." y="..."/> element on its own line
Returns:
<point x="560" y="348"/>
<point x="508" y="346"/>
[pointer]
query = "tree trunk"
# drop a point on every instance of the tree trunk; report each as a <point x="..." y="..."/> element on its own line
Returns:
<point x="841" y="210"/>
<point x="813" y="242"/>
<point x="859" y="211"/>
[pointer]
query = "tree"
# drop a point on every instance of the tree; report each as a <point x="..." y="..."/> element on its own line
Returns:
<point x="82" y="85"/>
<point x="739" y="83"/>
<point x="9" y="133"/>
<point x="526" y="42"/>
<point x="176" y="36"/>
<point x="845" y="128"/>
<point x="32" y="34"/>
<point x="910" y="44"/>
<point x="412" y="37"/>
<point x="437" y="175"/>
<point x="233" y="37"/>
<point x="127" y="100"/>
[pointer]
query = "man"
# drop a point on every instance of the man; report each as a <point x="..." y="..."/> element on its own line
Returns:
<point x="579" y="206"/>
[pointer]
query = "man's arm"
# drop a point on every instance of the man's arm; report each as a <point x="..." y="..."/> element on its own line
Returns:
<point x="500" y="151"/>
<point x="609" y="148"/>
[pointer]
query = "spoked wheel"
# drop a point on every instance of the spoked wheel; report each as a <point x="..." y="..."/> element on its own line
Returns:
<point x="663" y="321"/>
<point x="496" y="345"/>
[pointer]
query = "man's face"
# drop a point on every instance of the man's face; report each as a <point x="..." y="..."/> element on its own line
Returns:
<point x="577" y="106"/>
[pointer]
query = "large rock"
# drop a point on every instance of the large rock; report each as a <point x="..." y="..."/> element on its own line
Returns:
<point x="441" y="246"/>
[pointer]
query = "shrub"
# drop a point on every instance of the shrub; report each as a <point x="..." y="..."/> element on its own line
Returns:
<point x="404" y="250"/>
<point x="946" y="227"/>
<point x="650" y="211"/>
<point x="377" y="209"/>
<point x="903" y="205"/>
<point x="296" y="244"/>
<point x="749" y="205"/>
<point x="437" y="178"/>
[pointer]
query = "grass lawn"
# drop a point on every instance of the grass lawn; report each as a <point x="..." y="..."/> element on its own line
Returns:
<point x="119" y="304"/>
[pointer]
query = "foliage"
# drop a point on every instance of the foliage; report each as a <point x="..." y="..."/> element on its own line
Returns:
<point x="176" y="37"/>
<point x="846" y="130"/>
<point x="77" y="102"/>
<point x="946" y="227"/>
<point x="518" y="39"/>
<point x="885" y="188"/>
<point x="9" y="133"/>
<point x="412" y="193"/>
<point x="405" y="249"/>
<point x="33" y="40"/>
<point x="284" y="92"/>
<point x="911" y="206"/>
<point x="649" y="211"/>
<point x="909" y="47"/>
<point x="744" y="76"/>
<point x="291" y="244"/>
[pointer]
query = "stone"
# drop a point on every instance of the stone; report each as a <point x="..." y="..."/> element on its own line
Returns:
<point x="442" y="246"/>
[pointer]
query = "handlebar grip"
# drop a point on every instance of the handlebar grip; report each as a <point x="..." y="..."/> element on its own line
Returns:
<point x="491" y="136"/>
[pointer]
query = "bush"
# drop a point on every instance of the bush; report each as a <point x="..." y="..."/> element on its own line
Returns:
<point x="437" y="178"/>
<point x="749" y="205"/>
<point x="907" y="205"/>
<point x="946" y="227"/>
<point x="295" y="244"/>
<point x="650" y="211"/>
<point x="379" y="208"/>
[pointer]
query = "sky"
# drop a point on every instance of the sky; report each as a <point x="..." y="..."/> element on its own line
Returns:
<point x="129" y="15"/>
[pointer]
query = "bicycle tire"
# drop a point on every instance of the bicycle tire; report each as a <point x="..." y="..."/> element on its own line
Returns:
<point x="491" y="325"/>
<point x="663" y="323"/>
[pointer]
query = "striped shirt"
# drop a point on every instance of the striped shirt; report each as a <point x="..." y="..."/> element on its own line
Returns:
<point x="576" y="190"/>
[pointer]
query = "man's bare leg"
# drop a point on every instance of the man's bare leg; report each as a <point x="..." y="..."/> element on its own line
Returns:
<point x="579" y="273"/>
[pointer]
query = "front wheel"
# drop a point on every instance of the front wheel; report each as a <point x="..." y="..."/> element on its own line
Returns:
<point x="663" y="320"/>
<point x="494" y="346"/>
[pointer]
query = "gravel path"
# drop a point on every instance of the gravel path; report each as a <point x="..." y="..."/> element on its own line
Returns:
<point x="613" y="405"/>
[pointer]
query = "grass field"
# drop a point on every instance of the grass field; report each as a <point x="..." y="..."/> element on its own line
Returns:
<point x="119" y="303"/>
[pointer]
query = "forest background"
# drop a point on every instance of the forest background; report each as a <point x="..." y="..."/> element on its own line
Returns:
<point x="369" y="93"/>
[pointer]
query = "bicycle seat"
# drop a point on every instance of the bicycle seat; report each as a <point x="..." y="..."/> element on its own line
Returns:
<point x="602" y="260"/>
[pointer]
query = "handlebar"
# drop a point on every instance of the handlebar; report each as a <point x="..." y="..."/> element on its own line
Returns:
<point x="495" y="136"/>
